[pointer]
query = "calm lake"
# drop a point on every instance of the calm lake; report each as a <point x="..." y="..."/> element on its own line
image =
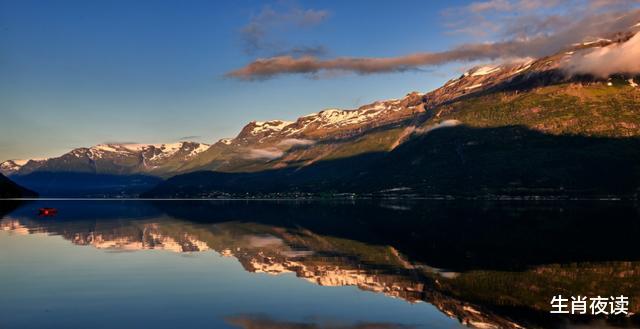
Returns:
<point x="314" y="264"/>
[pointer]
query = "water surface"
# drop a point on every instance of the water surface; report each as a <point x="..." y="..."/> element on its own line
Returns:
<point x="248" y="264"/>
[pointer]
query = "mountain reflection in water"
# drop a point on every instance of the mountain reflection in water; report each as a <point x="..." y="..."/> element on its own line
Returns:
<point x="487" y="265"/>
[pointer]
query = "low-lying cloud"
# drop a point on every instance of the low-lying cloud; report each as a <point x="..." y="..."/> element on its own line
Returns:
<point x="291" y="142"/>
<point x="443" y="124"/>
<point x="602" y="62"/>
<point x="270" y="153"/>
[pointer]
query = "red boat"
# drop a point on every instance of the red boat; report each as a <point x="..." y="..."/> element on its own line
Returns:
<point x="48" y="212"/>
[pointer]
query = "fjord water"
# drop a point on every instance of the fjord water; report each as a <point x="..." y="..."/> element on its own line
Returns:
<point x="284" y="264"/>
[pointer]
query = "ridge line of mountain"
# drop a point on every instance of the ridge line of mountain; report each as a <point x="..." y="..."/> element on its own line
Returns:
<point x="536" y="94"/>
<point x="478" y="80"/>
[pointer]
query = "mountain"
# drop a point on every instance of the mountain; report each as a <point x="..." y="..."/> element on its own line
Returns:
<point x="115" y="159"/>
<point x="114" y="170"/>
<point x="383" y="125"/>
<point x="9" y="189"/>
<point x="11" y="166"/>
<point x="323" y="135"/>
<point x="529" y="127"/>
<point x="523" y="129"/>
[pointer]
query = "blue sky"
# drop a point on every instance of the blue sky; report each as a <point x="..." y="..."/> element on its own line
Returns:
<point x="79" y="73"/>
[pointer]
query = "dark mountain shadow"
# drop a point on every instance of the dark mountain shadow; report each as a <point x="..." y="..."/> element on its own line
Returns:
<point x="8" y="206"/>
<point x="457" y="161"/>
<point x="75" y="184"/>
<point x="9" y="189"/>
<point x="453" y="235"/>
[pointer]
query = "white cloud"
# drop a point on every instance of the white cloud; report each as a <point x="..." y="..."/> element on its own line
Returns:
<point x="602" y="62"/>
<point x="270" y="153"/>
<point x="443" y="124"/>
<point x="290" y="142"/>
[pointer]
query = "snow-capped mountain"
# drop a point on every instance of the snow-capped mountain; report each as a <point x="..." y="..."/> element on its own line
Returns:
<point x="275" y="143"/>
<point x="529" y="127"/>
<point x="11" y="166"/>
<point x="331" y="122"/>
<point x="334" y="133"/>
<point x="153" y="159"/>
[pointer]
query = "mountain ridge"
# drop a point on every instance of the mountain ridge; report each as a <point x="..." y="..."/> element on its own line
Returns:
<point x="320" y="135"/>
<point x="537" y="94"/>
<point x="110" y="158"/>
<point x="278" y="136"/>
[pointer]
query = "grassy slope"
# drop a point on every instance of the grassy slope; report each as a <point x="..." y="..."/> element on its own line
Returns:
<point x="589" y="110"/>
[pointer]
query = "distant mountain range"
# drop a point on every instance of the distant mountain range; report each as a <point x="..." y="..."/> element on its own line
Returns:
<point x="114" y="159"/>
<point x="524" y="128"/>
<point x="106" y="170"/>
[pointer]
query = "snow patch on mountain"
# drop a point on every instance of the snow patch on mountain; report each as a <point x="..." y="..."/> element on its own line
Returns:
<point x="484" y="70"/>
<point x="339" y="118"/>
<point x="525" y="66"/>
<point x="269" y="126"/>
<point x="10" y="166"/>
<point x="158" y="151"/>
<point x="201" y="148"/>
<point x="592" y="42"/>
<point x="138" y="147"/>
<point x="171" y="149"/>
